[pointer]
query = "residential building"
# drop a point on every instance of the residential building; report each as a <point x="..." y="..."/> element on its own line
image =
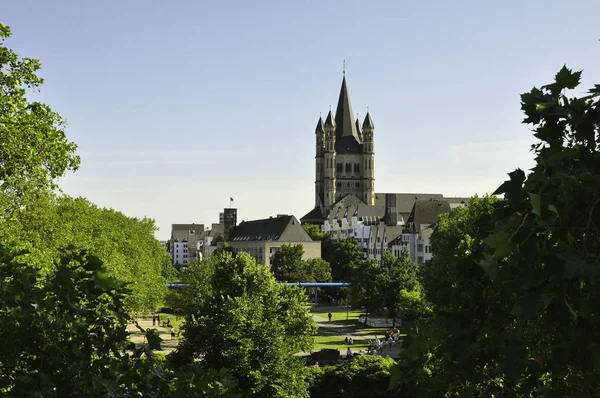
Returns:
<point x="183" y="243"/>
<point x="262" y="238"/>
<point x="415" y="238"/>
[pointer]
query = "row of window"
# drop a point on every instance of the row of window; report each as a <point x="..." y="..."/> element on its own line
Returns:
<point x="420" y="248"/>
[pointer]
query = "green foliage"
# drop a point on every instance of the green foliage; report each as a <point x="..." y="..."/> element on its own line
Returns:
<point x="64" y="335"/>
<point x="318" y="269"/>
<point x="287" y="261"/>
<point x="34" y="150"/>
<point x="514" y="283"/>
<point x="126" y="245"/>
<point x="287" y="266"/>
<point x="364" y="287"/>
<point x="347" y="254"/>
<point x="247" y="322"/>
<point x="393" y="287"/>
<point x="314" y="231"/>
<point x="363" y="375"/>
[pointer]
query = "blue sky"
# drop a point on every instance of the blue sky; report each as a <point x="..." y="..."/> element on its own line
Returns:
<point x="177" y="106"/>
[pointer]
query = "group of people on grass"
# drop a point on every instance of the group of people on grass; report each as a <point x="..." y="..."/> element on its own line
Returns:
<point x="156" y="320"/>
<point x="391" y="339"/>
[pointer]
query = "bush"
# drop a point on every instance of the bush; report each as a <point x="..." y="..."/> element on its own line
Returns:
<point x="353" y="378"/>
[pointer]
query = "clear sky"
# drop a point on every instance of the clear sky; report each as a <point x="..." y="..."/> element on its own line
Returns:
<point x="179" y="105"/>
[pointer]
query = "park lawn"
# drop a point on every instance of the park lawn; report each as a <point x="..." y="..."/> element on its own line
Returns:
<point x="177" y="323"/>
<point x="340" y="316"/>
<point x="338" y="343"/>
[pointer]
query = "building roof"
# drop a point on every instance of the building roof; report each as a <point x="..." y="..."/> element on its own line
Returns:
<point x="368" y="123"/>
<point x="406" y="201"/>
<point x="314" y="216"/>
<point x="330" y="122"/>
<point x="320" y="127"/>
<point x="281" y="228"/>
<point x="346" y="135"/>
<point x="183" y="231"/>
<point x="426" y="212"/>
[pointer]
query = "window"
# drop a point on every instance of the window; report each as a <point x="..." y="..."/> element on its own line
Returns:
<point x="339" y="184"/>
<point x="419" y="260"/>
<point x="356" y="168"/>
<point x="348" y="168"/>
<point x="340" y="167"/>
<point x="420" y="247"/>
<point x="358" y="185"/>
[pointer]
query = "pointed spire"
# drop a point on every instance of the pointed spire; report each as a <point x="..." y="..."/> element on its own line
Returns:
<point x="368" y="123"/>
<point x="344" y="117"/>
<point x="358" y="128"/>
<point x="320" y="127"/>
<point x="330" y="122"/>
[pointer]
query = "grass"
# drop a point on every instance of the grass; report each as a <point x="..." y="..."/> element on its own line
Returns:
<point x="174" y="321"/>
<point x="351" y="318"/>
<point x="338" y="342"/>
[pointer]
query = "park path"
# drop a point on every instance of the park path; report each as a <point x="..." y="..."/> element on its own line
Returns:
<point x="138" y="338"/>
<point x="357" y="333"/>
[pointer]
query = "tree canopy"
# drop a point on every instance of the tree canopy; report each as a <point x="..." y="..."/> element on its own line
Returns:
<point x="247" y="322"/>
<point x="514" y="292"/>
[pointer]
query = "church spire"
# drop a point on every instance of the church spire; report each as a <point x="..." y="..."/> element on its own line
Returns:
<point x="344" y="117"/>
<point x="330" y="122"/>
<point x="320" y="127"/>
<point x="368" y="123"/>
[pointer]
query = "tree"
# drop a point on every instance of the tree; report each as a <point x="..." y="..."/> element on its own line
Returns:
<point x="399" y="287"/>
<point x="287" y="261"/>
<point x="347" y="254"/>
<point x="247" y="322"/>
<point x="66" y="334"/>
<point x="352" y="378"/>
<point x="364" y="288"/>
<point x="515" y="303"/>
<point x="318" y="269"/>
<point x="314" y="231"/>
<point x="34" y="150"/>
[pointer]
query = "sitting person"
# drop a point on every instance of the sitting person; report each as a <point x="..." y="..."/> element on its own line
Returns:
<point x="351" y="341"/>
<point x="346" y="340"/>
<point x="349" y="353"/>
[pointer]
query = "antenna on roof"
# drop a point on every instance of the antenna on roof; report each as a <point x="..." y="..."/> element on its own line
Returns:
<point x="367" y="109"/>
<point x="344" y="67"/>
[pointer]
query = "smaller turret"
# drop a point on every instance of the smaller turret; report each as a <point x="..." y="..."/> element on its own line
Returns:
<point x="368" y="123"/>
<point x="358" y="128"/>
<point x="330" y="121"/>
<point x="320" y="129"/>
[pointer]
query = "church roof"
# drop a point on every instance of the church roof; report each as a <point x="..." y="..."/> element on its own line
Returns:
<point x="346" y="135"/>
<point x="320" y="127"/>
<point x="368" y="123"/>
<point x="330" y="121"/>
<point x="358" y="128"/>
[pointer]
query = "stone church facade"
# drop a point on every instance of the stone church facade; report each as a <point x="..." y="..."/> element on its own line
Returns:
<point x="345" y="157"/>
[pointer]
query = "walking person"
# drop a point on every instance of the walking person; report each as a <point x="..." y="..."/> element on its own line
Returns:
<point x="153" y="320"/>
<point x="330" y="315"/>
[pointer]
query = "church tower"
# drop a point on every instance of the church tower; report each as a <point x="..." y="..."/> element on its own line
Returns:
<point x="345" y="157"/>
<point x="330" y="158"/>
<point x="369" y="160"/>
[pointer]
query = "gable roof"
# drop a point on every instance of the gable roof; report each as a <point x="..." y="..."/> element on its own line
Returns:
<point x="280" y="228"/>
<point x="426" y="212"/>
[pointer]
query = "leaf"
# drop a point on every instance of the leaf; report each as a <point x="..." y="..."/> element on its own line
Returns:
<point x="500" y="242"/>
<point x="565" y="78"/>
<point x="571" y="309"/>
<point x="553" y="209"/>
<point x="535" y="201"/>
